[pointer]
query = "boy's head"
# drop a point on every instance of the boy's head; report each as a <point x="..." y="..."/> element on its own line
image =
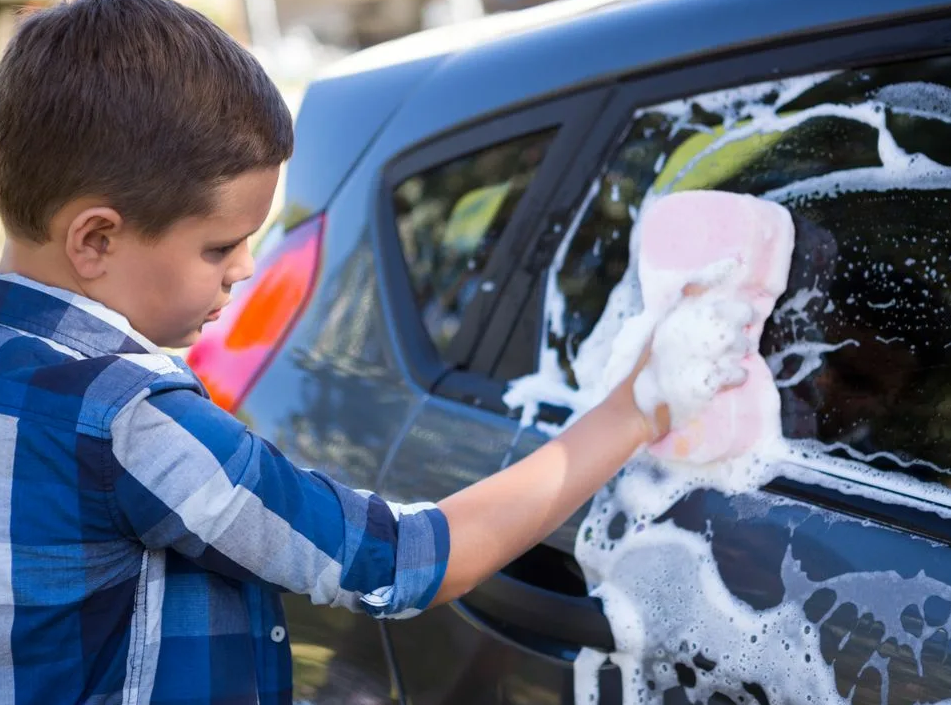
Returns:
<point x="137" y="141"/>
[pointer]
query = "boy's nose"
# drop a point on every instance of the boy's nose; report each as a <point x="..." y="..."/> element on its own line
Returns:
<point x="244" y="267"/>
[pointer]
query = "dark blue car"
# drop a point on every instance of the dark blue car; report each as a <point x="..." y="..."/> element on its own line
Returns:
<point x="458" y="213"/>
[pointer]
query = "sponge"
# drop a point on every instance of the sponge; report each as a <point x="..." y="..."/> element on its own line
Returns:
<point x="738" y="248"/>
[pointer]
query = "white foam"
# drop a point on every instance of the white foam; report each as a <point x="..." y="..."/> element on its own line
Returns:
<point x="686" y="377"/>
<point x="695" y="614"/>
<point x="660" y="584"/>
<point x="745" y="101"/>
<point x="887" y="304"/>
<point x="898" y="167"/>
<point x="917" y="98"/>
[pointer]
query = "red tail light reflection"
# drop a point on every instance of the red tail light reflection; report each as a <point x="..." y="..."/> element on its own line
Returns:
<point x="234" y="351"/>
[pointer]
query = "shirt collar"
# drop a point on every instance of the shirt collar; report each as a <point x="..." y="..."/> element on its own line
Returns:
<point x="67" y="318"/>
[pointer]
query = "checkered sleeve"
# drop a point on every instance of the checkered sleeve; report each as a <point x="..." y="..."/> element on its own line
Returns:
<point x="190" y="477"/>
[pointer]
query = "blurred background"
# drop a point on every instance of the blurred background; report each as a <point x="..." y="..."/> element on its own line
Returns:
<point x="295" y="39"/>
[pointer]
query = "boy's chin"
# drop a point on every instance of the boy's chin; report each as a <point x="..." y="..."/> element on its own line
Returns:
<point x="184" y="341"/>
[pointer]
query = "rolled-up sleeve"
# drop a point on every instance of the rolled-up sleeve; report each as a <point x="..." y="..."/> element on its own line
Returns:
<point x="188" y="476"/>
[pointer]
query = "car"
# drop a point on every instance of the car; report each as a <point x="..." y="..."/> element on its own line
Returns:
<point x="458" y="218"/>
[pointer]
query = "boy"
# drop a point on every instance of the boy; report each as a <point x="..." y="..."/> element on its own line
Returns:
<point x="145" y="535"/>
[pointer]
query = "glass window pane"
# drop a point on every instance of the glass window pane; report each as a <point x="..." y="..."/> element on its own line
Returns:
<point x="450" y="219"/>
<point x="861" y="159"/>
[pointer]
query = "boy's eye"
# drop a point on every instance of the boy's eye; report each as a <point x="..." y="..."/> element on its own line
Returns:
<point x="227" y="249"/>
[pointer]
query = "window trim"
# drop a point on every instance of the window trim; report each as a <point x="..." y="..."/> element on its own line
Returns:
<point x="570" y="115"/>
<point x="530" y="269"/>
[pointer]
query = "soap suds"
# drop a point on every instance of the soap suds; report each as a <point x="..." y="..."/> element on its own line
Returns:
<point x="696" y="615"/>
<point x="662" y="592"/>
<point x="686" y="378"/>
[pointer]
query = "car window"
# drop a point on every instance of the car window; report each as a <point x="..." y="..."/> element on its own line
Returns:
<point x="860" y="344"/>
<point x="450" y="219"/>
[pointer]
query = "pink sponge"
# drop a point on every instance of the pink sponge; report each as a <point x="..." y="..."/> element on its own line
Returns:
<point x="685" y="233"/>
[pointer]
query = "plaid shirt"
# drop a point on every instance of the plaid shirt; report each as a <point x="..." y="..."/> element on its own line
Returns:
<point x="146" y="535"/>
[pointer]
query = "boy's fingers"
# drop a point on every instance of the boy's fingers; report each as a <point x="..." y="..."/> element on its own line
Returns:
<point x="694" y="289"/>
<point x="733" y="377"/>
<point x="711" y="276"/>
<point x="661" y="421"/>
<point x="644" y="356"/>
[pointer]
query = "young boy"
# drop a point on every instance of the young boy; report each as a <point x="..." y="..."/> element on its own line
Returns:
<point x="145" y="535"/>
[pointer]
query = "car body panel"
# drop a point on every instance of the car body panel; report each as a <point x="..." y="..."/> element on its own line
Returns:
<point x="446" y="658"/>
<point x="337" y="136"/>
<point x="312" y="403"/>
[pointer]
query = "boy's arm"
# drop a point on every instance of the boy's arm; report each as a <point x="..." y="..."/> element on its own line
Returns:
<point x="185" y="475"/>
<point x="497" y="519"/>
<point x="188" y="476"/>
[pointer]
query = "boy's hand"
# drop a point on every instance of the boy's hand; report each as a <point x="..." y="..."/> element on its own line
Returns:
<point x="621" y="401"/>
<point x="724" y="357"/>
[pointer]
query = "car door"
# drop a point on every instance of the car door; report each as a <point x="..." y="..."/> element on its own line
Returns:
<point x="451" y="214"/>
<point x="831" y="583"/>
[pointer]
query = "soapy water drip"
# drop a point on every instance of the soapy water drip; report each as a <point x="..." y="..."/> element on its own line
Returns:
<point x="794" y="309"/>
<point x="813" y="447"/>
<point x="555" y="311"/>
<point x="549" y="383"/>
<point x="659" y="583"/>
<point x="870" y="596"/>
<point x="810" y="355"/>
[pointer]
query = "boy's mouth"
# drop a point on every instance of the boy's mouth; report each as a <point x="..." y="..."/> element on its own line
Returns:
<point x="216" y="313"/>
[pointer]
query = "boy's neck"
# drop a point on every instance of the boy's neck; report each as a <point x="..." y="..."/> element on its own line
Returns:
<point x="39" y="263"/>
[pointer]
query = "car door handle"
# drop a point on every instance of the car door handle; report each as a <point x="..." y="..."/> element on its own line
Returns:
<point x="571" y="619"/>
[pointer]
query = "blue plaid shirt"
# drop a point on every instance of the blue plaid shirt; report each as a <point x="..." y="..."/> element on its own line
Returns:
<point x="146" y="535"/>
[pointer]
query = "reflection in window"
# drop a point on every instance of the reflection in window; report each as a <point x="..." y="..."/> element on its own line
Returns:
<point x="450" y="219"/>
<point x="860" y="157"/>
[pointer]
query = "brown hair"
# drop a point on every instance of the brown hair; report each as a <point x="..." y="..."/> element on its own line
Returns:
<point x="145" y="103"/>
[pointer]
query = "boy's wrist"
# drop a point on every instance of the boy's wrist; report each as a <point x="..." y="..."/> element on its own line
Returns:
<point x="642" y="426"/>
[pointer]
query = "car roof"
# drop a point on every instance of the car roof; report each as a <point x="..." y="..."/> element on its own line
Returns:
<point x="453" y="38"/>
<point x="414" y="88"/>
<point x="620" y="38"/>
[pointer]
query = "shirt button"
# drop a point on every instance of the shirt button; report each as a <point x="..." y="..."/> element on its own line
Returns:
<point x="278" y="634"/>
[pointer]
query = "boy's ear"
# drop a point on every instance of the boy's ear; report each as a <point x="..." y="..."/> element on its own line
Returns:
<point x="90" y="238"/>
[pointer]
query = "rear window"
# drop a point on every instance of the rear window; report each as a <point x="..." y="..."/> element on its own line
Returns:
<point x="450" y="219"/>
<point x="860" y="344"/>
